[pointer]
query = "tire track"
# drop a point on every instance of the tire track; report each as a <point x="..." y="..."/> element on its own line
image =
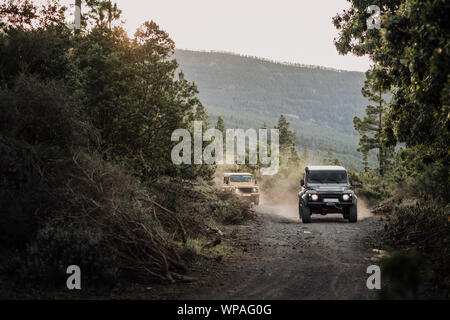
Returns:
<point x="326" y="259"/>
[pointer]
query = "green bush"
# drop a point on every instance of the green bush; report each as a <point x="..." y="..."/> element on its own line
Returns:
<point x="402" y="270"/>
<point x="23" y="195"/>
<point x="39" y="113"/>
<point x="58" y="246"/>
<point x="371" y="186"/>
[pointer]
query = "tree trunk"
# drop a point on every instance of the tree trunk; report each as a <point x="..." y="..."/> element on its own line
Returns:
<point x="380" y="140"/>
<point x="77" y="4"/>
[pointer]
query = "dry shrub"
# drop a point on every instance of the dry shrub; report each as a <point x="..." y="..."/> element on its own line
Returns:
<point x="426" y="227"/>
<point x="104" y="221"/>
<point x="200" y="203"/>
<point x="139" y="231"/>
<point x="88" y="212"/>
<point x="404" y="193"/>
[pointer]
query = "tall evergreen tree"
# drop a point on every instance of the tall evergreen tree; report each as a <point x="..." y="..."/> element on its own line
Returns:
<point x="287" y="141"/>
<point x="305" y="157"/>
<point x="220" y="125"/>
<point x="371" y="127"/>
<point x="365" y="160"/>
<point x="331" y="158"/>
<point x="287" y="137"/>
<point x="201" y="115"/>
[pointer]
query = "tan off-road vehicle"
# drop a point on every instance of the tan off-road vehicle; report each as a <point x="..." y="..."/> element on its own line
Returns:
<point x="243" y="184"/>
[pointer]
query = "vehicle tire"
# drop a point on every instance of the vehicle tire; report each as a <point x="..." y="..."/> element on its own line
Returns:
<point x="306" y="214"/>
<point x="353" y="213"/>
<point x="345" y="214"/>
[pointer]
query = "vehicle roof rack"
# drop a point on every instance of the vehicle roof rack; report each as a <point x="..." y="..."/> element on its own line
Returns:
<point x="318" y="168"/>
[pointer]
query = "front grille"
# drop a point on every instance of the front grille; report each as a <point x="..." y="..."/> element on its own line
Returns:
<point x="329" y="196"/>
<point x="337" y="196"/>
<point x="246" y="190"/>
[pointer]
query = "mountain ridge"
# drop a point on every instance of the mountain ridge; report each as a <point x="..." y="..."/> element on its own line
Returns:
<point x="246" y="91"/>
<point x="286" y="63"/>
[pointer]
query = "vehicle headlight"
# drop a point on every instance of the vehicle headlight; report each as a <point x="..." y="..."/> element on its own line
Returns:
<point x="314" y="197"/>
<point x="237" y="190"/>
<point x="255" y="189"/>
<point x="346" y="197"/>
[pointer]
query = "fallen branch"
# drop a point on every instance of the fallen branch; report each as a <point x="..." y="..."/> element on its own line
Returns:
<point x="173" y="214"/>
<point x="212" y="244"/>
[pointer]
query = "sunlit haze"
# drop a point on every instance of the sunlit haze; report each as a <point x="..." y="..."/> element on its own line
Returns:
<point x="299" y="31"/>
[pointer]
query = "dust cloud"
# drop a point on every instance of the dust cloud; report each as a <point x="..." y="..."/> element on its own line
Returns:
<point x="279" y="194"/>
<point x="286" y="205"/>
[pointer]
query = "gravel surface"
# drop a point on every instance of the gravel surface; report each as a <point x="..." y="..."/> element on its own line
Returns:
<point x="285" y="259"/>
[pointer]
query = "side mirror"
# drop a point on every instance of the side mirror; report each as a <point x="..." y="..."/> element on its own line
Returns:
<point x="256" y="181"/>
<point x="302" y="182"/>
<point x="352" y="183"/>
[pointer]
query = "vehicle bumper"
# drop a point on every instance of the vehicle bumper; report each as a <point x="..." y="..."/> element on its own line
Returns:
<point x="254" y="197"/>
<point x="328" y="204"/>
<point x="323" y="206"/>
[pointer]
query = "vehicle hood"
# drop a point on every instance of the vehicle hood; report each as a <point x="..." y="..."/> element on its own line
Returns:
<point x="243" y="185"/>
<point x="329" y="188"/>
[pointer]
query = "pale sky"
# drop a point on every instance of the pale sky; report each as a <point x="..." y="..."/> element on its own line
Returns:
<point x="298" y="31"/>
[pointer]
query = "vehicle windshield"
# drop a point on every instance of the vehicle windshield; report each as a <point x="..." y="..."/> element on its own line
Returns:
<point x="243" y="178"/>
<point x="324" y="176"/>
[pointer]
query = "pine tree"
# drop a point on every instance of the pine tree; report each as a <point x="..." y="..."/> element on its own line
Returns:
<point x="370" y="128"/>
<point x="365" y="160"/>
<point x="220" y="125"/>
<point x="305" y="157"/>
<point x="331" y="158"/>
<point x="202" y="115"/>
<point x="412" y="49"/>
<point x="287" y="140"/>
<point x="287" y="137"/>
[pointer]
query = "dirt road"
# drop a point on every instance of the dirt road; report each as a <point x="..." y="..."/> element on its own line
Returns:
<point x="286" y="259"/>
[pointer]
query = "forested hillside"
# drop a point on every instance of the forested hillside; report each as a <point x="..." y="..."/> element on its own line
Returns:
<point x="320" y="103"/>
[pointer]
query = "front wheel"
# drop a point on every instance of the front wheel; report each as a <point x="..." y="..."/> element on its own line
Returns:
<point x="305" y="214"/>
<point x="353" y="213"/>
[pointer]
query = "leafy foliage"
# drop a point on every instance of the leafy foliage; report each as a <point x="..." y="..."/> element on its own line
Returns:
<point x="425" y="226"/>
<point x="86" y="122"/>
<point x="411" y="54"/>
